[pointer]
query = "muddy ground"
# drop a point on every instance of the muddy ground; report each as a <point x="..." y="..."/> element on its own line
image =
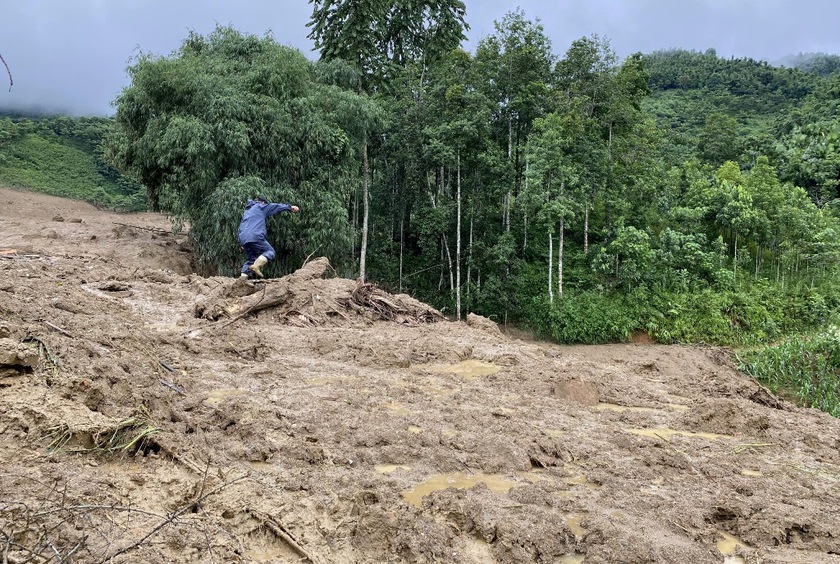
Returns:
<point x="149" y="414"/>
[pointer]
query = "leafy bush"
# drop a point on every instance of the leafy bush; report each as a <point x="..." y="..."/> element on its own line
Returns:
<point x="587" y="317"/>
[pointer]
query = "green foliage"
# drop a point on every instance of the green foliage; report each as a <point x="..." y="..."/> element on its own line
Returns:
<point x="587" y="317"/>
<point x="806" y="367"/>
<point x="378" y="38"/>
<point x="230" y="106"/>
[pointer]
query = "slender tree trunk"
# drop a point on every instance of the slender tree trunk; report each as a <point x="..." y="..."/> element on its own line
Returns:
<point x="586" y="229"/>
<point x="355" y="220"/>
<point x="550" y="267"/>
<point x="608" y="194"/>
<point x="525" y="237"/>
<point x="402" y="246"/>
<point x="506" y="210"/>
<point x="434" y="198"/>
<point x="470" y="255"/>
<point x="458" y="244"/>
<point x="365" y="191"/>
<point x="735" y="262"/>
<point x="560" y="241"/>
<point x="445" y="244"/>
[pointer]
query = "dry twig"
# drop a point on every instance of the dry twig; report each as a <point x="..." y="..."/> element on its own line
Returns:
<point x="172" y="518"/>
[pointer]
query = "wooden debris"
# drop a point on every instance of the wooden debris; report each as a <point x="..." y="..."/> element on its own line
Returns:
<point x="305" y="298"/>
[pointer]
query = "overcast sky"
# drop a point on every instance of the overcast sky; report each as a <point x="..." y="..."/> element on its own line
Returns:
<point x="70" y="56"/>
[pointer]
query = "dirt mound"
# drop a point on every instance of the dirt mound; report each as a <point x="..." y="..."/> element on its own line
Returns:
<point x="152" y="415"/>
<point x="303" y="298"/>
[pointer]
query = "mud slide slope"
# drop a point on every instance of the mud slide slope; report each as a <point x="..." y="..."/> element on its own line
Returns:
<point x="148" y="414"/>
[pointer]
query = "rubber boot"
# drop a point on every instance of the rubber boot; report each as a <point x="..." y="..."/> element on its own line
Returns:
<point x="258" y="264"/>
<point x="243" y="276"/>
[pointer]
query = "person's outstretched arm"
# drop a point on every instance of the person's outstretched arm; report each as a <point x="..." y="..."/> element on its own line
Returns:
<point x="273" y="209"/>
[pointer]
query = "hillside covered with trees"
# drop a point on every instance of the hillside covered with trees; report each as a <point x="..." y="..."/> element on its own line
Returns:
<point x="63" y="156"/>
<point x="676" y="193"/>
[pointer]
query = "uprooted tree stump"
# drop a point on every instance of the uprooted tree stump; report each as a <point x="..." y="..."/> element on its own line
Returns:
<point x="306" y="298"/>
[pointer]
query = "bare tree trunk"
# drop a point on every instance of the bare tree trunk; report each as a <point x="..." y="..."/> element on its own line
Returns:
<point x="458" y="245"/>
<point x="586" y="229"/>
<point x="449" y="263"/>
<point x="560" y="241"/>
<point x="444" y="243"/>
<point x="365" y="191"/>
<point x="525" y="241"/>
<point x="470" y="255"/>
<point x="355" y="219"/>
<point x="506" y="210"/>
<point x="735" y="262"/>
<point x="402" y="246"/>
<point x="550" y="268"/>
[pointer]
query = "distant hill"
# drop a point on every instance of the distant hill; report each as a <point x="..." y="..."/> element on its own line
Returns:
<point x="62" y="156"/>
<point x="821" y="64"/>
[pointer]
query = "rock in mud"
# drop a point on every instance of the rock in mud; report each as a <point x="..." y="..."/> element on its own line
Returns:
<point x="16" y="355"/>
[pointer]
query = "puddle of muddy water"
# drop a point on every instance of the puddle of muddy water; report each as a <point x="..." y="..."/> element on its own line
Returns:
<point x="666" y="434"/>
<point x="215" y="397"/>
<point x="573" y="521"/>
<point x="727" y="546"/>
<point x="388" y="468"/>
<point x="397" y="408"/>
<point x="604" y="406"/>
<point x="580" y="480"/>
<point x="468" y="368"/>
<point x="494" y="482"/>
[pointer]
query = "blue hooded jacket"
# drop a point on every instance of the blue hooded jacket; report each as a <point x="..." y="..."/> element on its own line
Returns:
<point x="252" y="227"/>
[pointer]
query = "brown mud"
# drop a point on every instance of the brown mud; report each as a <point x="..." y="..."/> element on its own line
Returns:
<point x="148" y="414"/>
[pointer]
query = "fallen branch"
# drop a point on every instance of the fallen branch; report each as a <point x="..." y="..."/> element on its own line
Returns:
<point x="247" y="311"/>
<point x="174" y="387"/>
<point x="172" y="518"/>
<point x="746" y="446"/>
<point x="281" y="532"/>
<point x="59" y="329"/>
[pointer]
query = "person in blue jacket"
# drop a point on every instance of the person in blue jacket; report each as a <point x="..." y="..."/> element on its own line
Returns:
<point x="252" y="234"/>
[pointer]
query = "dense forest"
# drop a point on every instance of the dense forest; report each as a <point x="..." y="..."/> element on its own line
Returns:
<point x="677" y="194"/>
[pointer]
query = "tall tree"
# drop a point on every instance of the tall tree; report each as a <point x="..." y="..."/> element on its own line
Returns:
<point x="517" y="64"/>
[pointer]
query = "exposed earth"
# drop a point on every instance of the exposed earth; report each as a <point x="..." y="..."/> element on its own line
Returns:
<point x="148" y="414"/>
